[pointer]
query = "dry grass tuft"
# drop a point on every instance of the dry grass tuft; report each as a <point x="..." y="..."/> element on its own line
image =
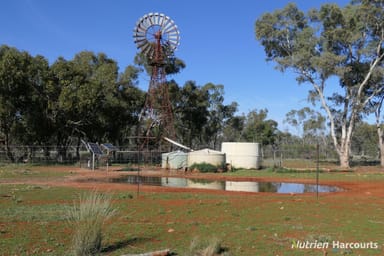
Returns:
<point x="87" y="219"/>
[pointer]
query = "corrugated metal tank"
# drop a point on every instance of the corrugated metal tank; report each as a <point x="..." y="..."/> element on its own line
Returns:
<point x="174" y="160"/>
<point x="245" y="155"/>
<point x="208" y="156"/>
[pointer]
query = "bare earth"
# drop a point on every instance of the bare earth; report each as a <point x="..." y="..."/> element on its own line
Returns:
<point x="76" y="177"/>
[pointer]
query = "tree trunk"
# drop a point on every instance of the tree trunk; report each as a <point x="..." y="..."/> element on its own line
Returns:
<point x="344" y="159"/>
<point x="8" y="148"/>
<point x="382" y="154"/>
<point x="344" y="148"/>
<point x="380" y="133"/>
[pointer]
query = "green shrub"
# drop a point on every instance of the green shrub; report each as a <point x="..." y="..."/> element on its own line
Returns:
<point x="87" y="219"/>
<point x="204" y="167"/>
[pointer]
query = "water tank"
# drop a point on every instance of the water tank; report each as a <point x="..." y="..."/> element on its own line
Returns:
<point x="174" y="160"/>
<point x="208" y="156"/>
<point x="245" y="155"/>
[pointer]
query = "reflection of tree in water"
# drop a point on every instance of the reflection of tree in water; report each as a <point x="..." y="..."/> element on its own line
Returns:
<point x="322" y="188"/>
<point x="269" y="186"/>
<point x="310" y="188"/>
<point x="134" y="179"/>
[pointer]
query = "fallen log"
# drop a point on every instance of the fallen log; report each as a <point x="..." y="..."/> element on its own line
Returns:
<point x="165" y="252"/>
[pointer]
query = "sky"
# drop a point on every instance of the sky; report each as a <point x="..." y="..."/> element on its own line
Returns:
<point x="218" y="42"/>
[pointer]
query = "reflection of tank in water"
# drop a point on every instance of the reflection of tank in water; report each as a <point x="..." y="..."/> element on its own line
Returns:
<point x="205" y="184"/>
<point x="269" y="187"/>
<point x="173" y="182"/>
<point x="247" y="186"/>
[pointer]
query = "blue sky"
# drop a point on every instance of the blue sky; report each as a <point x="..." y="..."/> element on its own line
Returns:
<point x="217" y="42"/>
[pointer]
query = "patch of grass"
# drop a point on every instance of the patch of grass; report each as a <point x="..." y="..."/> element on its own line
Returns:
<point x="204" y="167"/>
<point x="87" y="219"/>
<point x="211" y="247"/>
<point x="36" y="224"/>
<point x="28" y="171"/>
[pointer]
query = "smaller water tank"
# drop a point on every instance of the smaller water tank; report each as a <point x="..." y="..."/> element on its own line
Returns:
<point x="174" y="160"/>
<point x="245" y="155"/>
<point x="207" y="156"/>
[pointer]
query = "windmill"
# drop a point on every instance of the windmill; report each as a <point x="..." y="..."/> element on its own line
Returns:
<point x="157" y="37"/>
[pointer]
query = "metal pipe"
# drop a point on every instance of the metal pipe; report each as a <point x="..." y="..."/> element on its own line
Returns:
<point x="177" y="144"/>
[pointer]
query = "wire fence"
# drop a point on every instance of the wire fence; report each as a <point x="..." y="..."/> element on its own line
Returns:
<point x="289" y="156"/>
<point x="75" y="155"/>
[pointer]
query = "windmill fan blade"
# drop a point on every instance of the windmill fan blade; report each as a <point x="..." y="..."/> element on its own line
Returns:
<point x="140" y="40"/>
<point x="145" y="47"/>
<point x="162" y="19"/>
<point x="145" y="33"/>
<point x="155" y="18"/>
<point x="142" y="44"/>
<point x="150" y="16"/>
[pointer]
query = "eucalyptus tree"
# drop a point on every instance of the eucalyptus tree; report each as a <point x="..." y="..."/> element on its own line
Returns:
<point x="191" y="113"/>
<point x="23" y="101"/>
<point x="124" y="116"/>
<point x="35" y="127"/>
<point x="258" y="128"/>
<point x="219" y="114"/>
<point x="93" y="101"/>
<point x="12" y="86"/>
<point x="309" y="123"/>
<point x="365" y="144"/>
<point x="377" y="105"/>
<point x="63" y="109"/>
<point x="331" y="42"/>
<point x="91" y="94"/>
<point x="233" y="128"/>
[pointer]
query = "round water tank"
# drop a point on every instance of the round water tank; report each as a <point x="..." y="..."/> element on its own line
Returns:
<point x="174" y="160"/>
<point x="245" y="155"/>
<point x="207" y="156"/>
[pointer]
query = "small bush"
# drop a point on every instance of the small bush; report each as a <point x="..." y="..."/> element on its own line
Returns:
<point x="211" y="247"/>
<point x="87" y="218"/>
<point x="204" y="167"/>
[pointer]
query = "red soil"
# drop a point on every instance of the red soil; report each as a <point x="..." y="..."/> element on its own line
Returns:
<point x="76" y="177"/>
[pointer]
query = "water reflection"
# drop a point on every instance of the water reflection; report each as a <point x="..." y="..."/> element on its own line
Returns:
<point x="243" y="186"/>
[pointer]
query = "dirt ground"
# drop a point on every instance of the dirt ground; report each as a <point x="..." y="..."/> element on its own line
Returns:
<point x="88" y="179"/>
<point x="358" y="190"/>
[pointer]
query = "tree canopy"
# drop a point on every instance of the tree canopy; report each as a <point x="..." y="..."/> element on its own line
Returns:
<point x="331" y="42"/>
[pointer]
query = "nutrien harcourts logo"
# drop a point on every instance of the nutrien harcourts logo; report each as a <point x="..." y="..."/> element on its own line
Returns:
<point x="297" y="244"/>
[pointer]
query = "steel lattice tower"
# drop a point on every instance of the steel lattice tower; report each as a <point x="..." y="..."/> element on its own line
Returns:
<point x="157" y="37"/>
